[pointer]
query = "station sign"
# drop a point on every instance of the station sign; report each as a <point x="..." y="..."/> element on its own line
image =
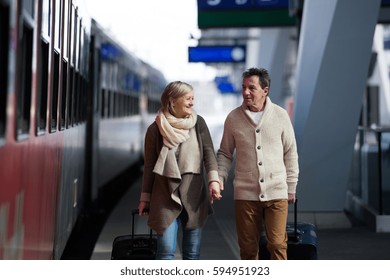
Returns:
<point x="224" y="85"/>
<point x="242" y="4"/>
<point x="217" y="54"/>
<point x="244" y="13"/>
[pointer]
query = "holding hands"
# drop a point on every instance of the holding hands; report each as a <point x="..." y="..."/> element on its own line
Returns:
<point x="215" y="189"/>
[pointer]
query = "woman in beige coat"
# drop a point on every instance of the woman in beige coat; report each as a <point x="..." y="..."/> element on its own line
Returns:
<point x="178" y="149"/>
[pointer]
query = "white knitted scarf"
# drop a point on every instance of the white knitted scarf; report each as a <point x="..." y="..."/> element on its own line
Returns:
<point x="176" y="131"/>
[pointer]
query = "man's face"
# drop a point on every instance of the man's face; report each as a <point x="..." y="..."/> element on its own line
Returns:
<point x="254" y="96"/>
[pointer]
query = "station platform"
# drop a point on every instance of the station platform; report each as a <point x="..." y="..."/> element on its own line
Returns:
<point x="340" y="237"/>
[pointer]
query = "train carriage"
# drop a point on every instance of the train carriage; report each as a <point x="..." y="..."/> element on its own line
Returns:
<point x="70" y="121"/>
<point x="116" y="128"/>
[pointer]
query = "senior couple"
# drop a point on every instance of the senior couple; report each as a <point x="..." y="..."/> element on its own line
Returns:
<point x="179" y="150"/>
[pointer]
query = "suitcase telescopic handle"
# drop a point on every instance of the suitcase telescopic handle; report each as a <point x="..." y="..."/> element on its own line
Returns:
<point x="135" y="212"/>
<point x="296" y="217"/>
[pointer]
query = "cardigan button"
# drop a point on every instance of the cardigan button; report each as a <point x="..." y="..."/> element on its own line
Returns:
<point x="260" y="163"/>
<point x="258" y="147"/>
<point x="261" y="180"/>
<point x="262" y="196"/>
<point x="257" y="130"/>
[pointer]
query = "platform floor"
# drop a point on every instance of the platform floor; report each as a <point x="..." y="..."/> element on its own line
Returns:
<point x="339" y="236"/>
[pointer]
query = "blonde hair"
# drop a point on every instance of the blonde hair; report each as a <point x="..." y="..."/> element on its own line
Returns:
<point x="174" y="90"/>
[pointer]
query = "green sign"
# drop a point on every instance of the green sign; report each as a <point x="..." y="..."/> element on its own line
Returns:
<point x="244" y="18"/>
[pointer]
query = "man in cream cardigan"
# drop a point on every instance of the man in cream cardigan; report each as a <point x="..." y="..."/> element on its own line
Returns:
<point x="266" y="174"/>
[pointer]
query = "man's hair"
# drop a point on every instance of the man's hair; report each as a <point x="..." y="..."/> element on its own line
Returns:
<point x="264" y="78"/>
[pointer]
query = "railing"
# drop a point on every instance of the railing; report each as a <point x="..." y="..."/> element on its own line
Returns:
<point x="378" y="130"/>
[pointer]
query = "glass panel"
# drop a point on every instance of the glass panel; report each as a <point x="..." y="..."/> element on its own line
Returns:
<point x="24" y="90"/>
<point x="43" y="73"/>
<point x="4" y="41"/>
<point x="46" y="9"/>
<point x="28" y="6"/>
<point x="54" y="93"/>
<point x="57" y="25"/>
<point x="64" y="93"/>
<point x="66" y="28"/>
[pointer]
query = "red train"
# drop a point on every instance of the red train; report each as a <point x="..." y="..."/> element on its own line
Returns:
<point x="73" y="107"/>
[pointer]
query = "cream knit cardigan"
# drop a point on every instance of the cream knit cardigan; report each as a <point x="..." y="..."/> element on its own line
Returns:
<point x="266" y="154"/>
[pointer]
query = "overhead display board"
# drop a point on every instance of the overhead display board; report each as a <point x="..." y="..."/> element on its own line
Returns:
<point x="217" y="54"/>
<point x="244" y="13"/>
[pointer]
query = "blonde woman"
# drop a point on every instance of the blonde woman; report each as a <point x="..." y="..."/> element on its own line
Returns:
<point x="178" y="148"/>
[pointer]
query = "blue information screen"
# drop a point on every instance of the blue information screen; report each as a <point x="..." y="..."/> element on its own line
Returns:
<point x="217" y="54"/>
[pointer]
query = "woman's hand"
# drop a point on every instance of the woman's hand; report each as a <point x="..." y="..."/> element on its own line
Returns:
<point x="143" y="205"/>
<point x="214" y="191"/>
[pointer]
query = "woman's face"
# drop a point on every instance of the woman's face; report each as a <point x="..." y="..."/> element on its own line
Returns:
<point x="182" y="106"/>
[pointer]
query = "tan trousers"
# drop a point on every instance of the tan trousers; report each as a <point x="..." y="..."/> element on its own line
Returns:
<point x="250" y="216"/>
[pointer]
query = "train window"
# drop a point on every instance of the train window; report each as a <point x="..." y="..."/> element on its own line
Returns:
<point x="97" y="85"/>
<point x="129" y="105"/>
<point x="83" y="102"/>
<point x="24" y="87"/>
<point x="54" y="92"/>
<point x="72" y="42"/>
<point x="57" y="24"/>
<point x="76" y="102"/>
<point x="43" y="73"/>
<point x="28" y="6"/>
<point x="82" y="55"/>
<point x="46" y="7"/>
<point x="137" y="111"/>
<point x="126" y="107"/>
<point x="115" y="103"/>
<point x="80" y="98"/>
<point x="136" y="105"/>
<point x="121" y="105"/>
<point x="66" y="28"/>
<point x="104" y="75"/>
<point x="76" y="42"/>
<point x="103" y="103"/>
<point x="83" y="113"/>
<point x="4" y="41"/>
<point x="70" y="97"/>
<point x="109" y="104"/>
<point x="63" y="94"/>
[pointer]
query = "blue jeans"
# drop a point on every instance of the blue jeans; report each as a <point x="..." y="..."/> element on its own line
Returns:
<point x="166" y="243"/>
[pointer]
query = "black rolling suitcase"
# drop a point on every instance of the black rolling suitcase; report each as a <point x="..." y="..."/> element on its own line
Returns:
<point x="134" y="246"/>
<point x="302" y="241"/>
